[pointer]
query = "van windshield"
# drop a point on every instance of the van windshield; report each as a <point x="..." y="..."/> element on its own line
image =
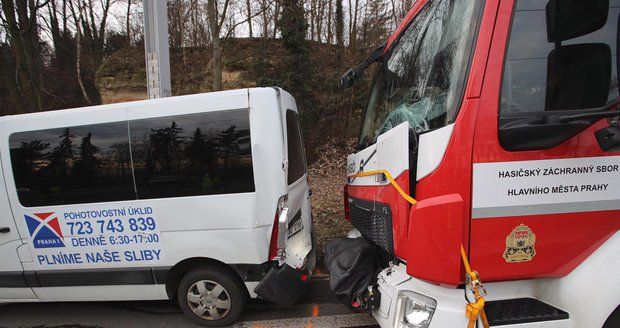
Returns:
<point x="420" y="80"/>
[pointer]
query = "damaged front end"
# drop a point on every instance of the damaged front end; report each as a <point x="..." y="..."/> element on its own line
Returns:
<point x="288" y="274"/>
<point x="354" y="264"/>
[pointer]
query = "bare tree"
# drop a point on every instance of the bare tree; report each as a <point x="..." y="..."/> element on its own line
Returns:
<point x="353" y="13"/>
<point x="177" y="22"/>
<point x="94" y="23"/>
<point x="339" y="31"/>
<point x="399" y="10"/>
<point x="375" y="24"/>
<point x="320" y="14"/>
<point x="311" y="12"/>
<point x="330" y="33"/>
<point x="265" y="17"/>
<point x="276" y="18"/>
<point x="62" y="39"/>
<point x="216" y="21"/>
<point x="249" y="12"/>
<point x="23" y="34"/>
<point x="78" y="17"/>
<point x="128" y="23"/>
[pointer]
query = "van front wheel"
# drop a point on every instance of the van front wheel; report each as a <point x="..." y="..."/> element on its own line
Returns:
<point x="210" y="297"/>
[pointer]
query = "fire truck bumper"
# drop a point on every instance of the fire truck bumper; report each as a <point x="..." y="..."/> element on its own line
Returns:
<point x="409" y="302"/>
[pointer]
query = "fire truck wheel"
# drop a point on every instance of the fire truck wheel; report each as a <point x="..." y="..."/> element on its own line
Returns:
<point x="210" y="297"/>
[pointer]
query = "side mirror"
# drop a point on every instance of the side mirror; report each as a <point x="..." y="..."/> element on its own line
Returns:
<point x="349" y="78"/>
<point x="572" y="19"/>
<point x="578" y="76"/>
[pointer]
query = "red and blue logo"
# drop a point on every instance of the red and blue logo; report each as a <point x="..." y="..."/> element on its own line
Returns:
<point x="45" y="230"/>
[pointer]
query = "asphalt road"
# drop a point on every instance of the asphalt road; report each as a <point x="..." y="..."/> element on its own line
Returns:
<point x="317" y="309"/>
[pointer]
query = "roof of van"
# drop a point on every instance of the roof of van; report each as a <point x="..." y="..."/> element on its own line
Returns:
<point x="131" y="104"/>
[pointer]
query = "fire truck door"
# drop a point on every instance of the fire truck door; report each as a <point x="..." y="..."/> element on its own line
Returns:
<point x="545" y="194"/>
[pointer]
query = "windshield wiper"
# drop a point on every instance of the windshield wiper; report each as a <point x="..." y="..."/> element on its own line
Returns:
<point x="609" y="110"/>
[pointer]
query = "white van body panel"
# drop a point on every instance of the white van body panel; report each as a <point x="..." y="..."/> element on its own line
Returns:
<point x="271" y="148"/>
<point x="234" y="228"/>
<point x="299" y="245"/>
<point x="102" y="293"/>
<point x="9" y="243"/>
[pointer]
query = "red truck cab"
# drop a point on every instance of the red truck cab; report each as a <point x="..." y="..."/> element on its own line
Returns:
<point x="500" y="120"/>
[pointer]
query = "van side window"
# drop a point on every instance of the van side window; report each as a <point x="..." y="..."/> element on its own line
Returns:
<point x="190" y="155"/>
<point x="82" y="164"/>
<point x="296" y="156"/>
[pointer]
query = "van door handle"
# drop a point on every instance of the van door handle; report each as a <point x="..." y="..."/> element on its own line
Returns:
<point x="5" y="230"/>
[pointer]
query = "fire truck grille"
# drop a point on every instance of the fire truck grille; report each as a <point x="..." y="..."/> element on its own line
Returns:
<point x="374" y="222"/>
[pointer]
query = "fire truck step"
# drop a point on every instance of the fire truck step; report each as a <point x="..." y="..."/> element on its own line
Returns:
<point x="521" y="310"/>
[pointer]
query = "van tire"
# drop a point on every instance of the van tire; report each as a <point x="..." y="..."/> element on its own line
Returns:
<point x="195" y="295"/>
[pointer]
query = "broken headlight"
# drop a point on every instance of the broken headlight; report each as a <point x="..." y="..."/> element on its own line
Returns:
<point x="414" y="310"/>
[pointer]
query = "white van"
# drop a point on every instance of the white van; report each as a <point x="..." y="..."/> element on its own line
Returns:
<point x="204" y="198"/>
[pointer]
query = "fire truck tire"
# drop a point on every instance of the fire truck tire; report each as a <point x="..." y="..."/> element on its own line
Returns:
<point x="210" y="297"/>
<point x="613" y="321"/>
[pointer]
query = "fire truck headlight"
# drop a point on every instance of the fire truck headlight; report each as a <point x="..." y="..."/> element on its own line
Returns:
<point x="414" y="310"/>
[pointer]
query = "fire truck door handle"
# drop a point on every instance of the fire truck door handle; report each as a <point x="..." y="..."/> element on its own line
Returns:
<point x="5" y="230"/>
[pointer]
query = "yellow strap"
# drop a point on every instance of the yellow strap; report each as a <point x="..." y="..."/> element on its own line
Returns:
<point x="472" y="310"/>
<point x="390" y="178"/>
<point x="475" y="309"/>
<point x="465" y="261"/>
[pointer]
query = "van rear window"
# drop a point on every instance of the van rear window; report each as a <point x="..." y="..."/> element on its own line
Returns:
<point x="189" y="155"/>
<point x="296" y="156"/>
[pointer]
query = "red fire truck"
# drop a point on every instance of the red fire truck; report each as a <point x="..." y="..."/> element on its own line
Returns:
<point x="492" y="128"/>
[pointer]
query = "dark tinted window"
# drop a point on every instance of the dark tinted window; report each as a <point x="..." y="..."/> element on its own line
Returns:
<point x="188" y="155"/>
<point x="535" y="75"/>
<point x="82" y="164"/>
<point x="296" y="158"/>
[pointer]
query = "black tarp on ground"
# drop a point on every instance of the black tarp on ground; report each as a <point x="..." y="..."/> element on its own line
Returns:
<point x="353" y="266"/>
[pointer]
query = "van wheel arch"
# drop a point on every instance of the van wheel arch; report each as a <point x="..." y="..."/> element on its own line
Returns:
<point x="179" y="270"/>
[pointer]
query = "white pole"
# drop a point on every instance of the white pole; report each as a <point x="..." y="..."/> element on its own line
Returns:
<point x="156" y="48"/>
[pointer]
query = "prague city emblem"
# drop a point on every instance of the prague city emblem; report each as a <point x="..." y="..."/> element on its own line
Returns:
<point x="520" y="245"/>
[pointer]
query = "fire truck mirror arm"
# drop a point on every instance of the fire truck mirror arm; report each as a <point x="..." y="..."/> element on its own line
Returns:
<point x="350" y="77"/>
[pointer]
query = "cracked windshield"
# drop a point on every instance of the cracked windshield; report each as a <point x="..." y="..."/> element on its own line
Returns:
<point x="420" y="80"/>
